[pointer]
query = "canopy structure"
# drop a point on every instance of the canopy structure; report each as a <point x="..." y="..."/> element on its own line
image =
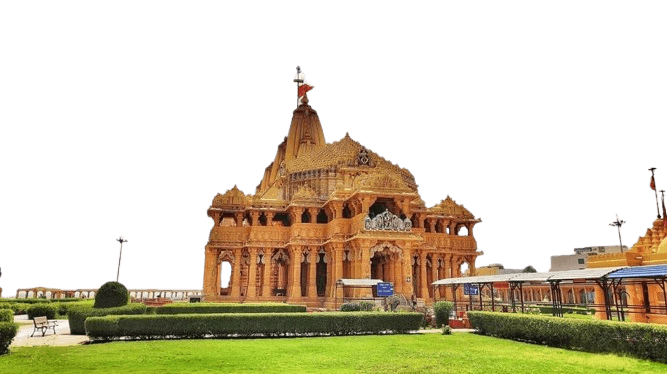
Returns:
<point x="355" y="283"/>
<point x="358" y="282"/>
<point x="608" y="279"/>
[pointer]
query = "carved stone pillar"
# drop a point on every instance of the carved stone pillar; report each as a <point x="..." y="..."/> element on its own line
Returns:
<point x="312" y="273"/>
<point x="391" y="269"/>
<point x="295" y="289"/>
<point x="269" y="218"/>
<point x="252" y="273"/>
<point x="407" y="273"/>
<point x="236" y="275"/>
<point x="452" y="228"/>
<point x="266" y="279"/>
<point x="365" y="268"/>
<point x="338" y="256"/>
<point x="313" y="214"/>
<point x="210" y="267"/>
<point x="423" y="281"/>
<point x="216" y="217"/>
<point x="448" y="274"/>
<point x="239" y="219"/>
<point x="399" y="279"/>
<point x="255" y="218"/>
<point x="469" y="227"/>
<point x="431" y="224"/>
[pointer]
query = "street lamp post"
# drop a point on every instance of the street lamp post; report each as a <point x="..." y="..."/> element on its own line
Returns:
<point x="618" y="223"/>
<point x="121" y="241"/>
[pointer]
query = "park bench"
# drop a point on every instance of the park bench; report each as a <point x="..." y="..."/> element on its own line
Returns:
<point x="41" y="323"/>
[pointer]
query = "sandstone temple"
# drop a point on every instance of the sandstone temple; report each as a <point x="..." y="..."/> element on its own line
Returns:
<point x="324" y="212"/>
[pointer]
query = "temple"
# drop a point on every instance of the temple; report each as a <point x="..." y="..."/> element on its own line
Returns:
<point x="330" y="211"/>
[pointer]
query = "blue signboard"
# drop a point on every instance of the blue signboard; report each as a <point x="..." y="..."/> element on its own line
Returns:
<point x="470" y="289"/>
<point x="385" y="289"/>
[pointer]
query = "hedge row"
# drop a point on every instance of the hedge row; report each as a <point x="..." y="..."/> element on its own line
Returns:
<point x="6" y="315"/>
<point x="39" y="301"/>
<point x="61" y="308"/>
<point x="189" y="326"/>
<point x="640" y="340"/>
<point x="362" y="306"/>
<point x="39" y="310"/>
<point x="208" y="308"/>
<point x="570" y="310"/>
<point x="8" y="331"/>
<point x="78" y="314"/>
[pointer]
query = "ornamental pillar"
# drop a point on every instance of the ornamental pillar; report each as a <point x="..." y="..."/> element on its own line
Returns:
<point x="338" y="256"/>
<point x="269" y="218"/>
<point x="398" y="274"/>
<point x="313" y="214"/>
<point x="210" y="267"/>
<point x="236" y="275"/>
<point x="255" y="218"/>
<point x="312" y="272"/>
<point x="407" y="280"/>
<point x="431" y="224"/>
<point x="295" y="289"/>
<point x="266" y="279"/>
<point x="423" y="281"/>
<point x="252" y="273"/>
<point x="239" y="219"/>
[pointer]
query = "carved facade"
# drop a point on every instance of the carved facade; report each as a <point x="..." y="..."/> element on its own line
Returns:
<point x="330" y="211"/>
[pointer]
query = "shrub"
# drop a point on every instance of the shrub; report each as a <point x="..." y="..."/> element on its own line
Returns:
<point x="111" y="295"/>
<point x="248" y="325"/>
<point x="446" y="330"/>
<point x="8" y="331"/>
<point x="207" y="308"/>
<point x="442" y="311"/>
<point x="6" y="315"/>
<point x="640" y="340"/>
<point x="38" y="310"/>
<point x="77" y="314"/>
<point x="366" y="306"/>
<point x="350" y="307"/>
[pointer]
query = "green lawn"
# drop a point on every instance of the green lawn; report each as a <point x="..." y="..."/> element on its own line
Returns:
<point x="458" y="353"/>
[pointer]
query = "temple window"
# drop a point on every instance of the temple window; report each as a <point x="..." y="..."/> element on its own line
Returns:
<point x="322" y="217"/>
<point x="305" y="217"/>
<point x="281" y="218"/>
<point x="262" y="220"/>
<point x="383" y="204"/>
<point x="347" y="213"/>
<point x="462" y="231"/>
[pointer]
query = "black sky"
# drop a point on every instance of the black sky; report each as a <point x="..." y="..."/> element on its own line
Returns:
<point x="545" y="158"/>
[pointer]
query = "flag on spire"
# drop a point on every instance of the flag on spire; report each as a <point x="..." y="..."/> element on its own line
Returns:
<point x="302" y="85"/>
<point x="652" y="183"/>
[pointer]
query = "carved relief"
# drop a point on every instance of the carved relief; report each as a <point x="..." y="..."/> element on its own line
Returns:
<point x="231" y="197"/>
<point x="450" y="208"/>
<point x="387" y="222"/>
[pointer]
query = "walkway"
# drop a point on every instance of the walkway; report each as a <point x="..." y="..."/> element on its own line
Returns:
<point x="62" y="338"/>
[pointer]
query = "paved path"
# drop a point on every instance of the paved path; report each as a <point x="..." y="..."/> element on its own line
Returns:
<point x="61" y="338"/>
<point x="64" y="338"/>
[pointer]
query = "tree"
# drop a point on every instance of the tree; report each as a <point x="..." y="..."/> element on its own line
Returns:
<point x="529" y="269"/>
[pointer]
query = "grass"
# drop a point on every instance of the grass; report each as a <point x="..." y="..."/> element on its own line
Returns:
<point x="419" y="353"/>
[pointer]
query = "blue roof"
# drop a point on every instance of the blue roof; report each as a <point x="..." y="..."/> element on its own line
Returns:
<point x="640" y="272"/>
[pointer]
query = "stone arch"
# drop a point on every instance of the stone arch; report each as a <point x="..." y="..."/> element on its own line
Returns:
<point x="305" y="216"/>
<point x="23" y="294"/>
<point x="48" y="294"/>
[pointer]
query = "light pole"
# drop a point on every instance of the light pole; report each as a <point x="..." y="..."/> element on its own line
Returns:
<point x="121" y="241"/>
<point x="618" y="223"/>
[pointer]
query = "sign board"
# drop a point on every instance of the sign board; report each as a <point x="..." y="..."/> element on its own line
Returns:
<point x="501" y="285"/>
<point x="385" y="289"/>
<point x="470" y="289"/>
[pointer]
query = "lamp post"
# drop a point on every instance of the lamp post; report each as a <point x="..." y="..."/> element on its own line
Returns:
<point x="618" y="223"/>
<point x="121" y="241"/>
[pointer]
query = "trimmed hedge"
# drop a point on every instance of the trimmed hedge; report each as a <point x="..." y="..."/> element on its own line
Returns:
<point x="442" y="310"/>
<point x="208" y="308"/>
<point x="189" y="326"/>
<point x="39" y="310"/>
<point x="8" y="331"/>
<point x="6" y="315"/>
<point x="364" y="306"/>
<point x="39" y="301"/>
<point x="640" y="340"/>
<point x="569" y="310"/>
<point x="78" y="314"/>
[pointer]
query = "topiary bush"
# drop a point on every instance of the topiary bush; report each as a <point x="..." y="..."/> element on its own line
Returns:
<point x="8" y="331"/>
<point x="47" y="310"/>
<point x="111" y="295"/>
<point x="442" y="311"/>
<point x="77" y="314"/>
<point x="350" y="307"/>
<point x="6" y="315"/>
